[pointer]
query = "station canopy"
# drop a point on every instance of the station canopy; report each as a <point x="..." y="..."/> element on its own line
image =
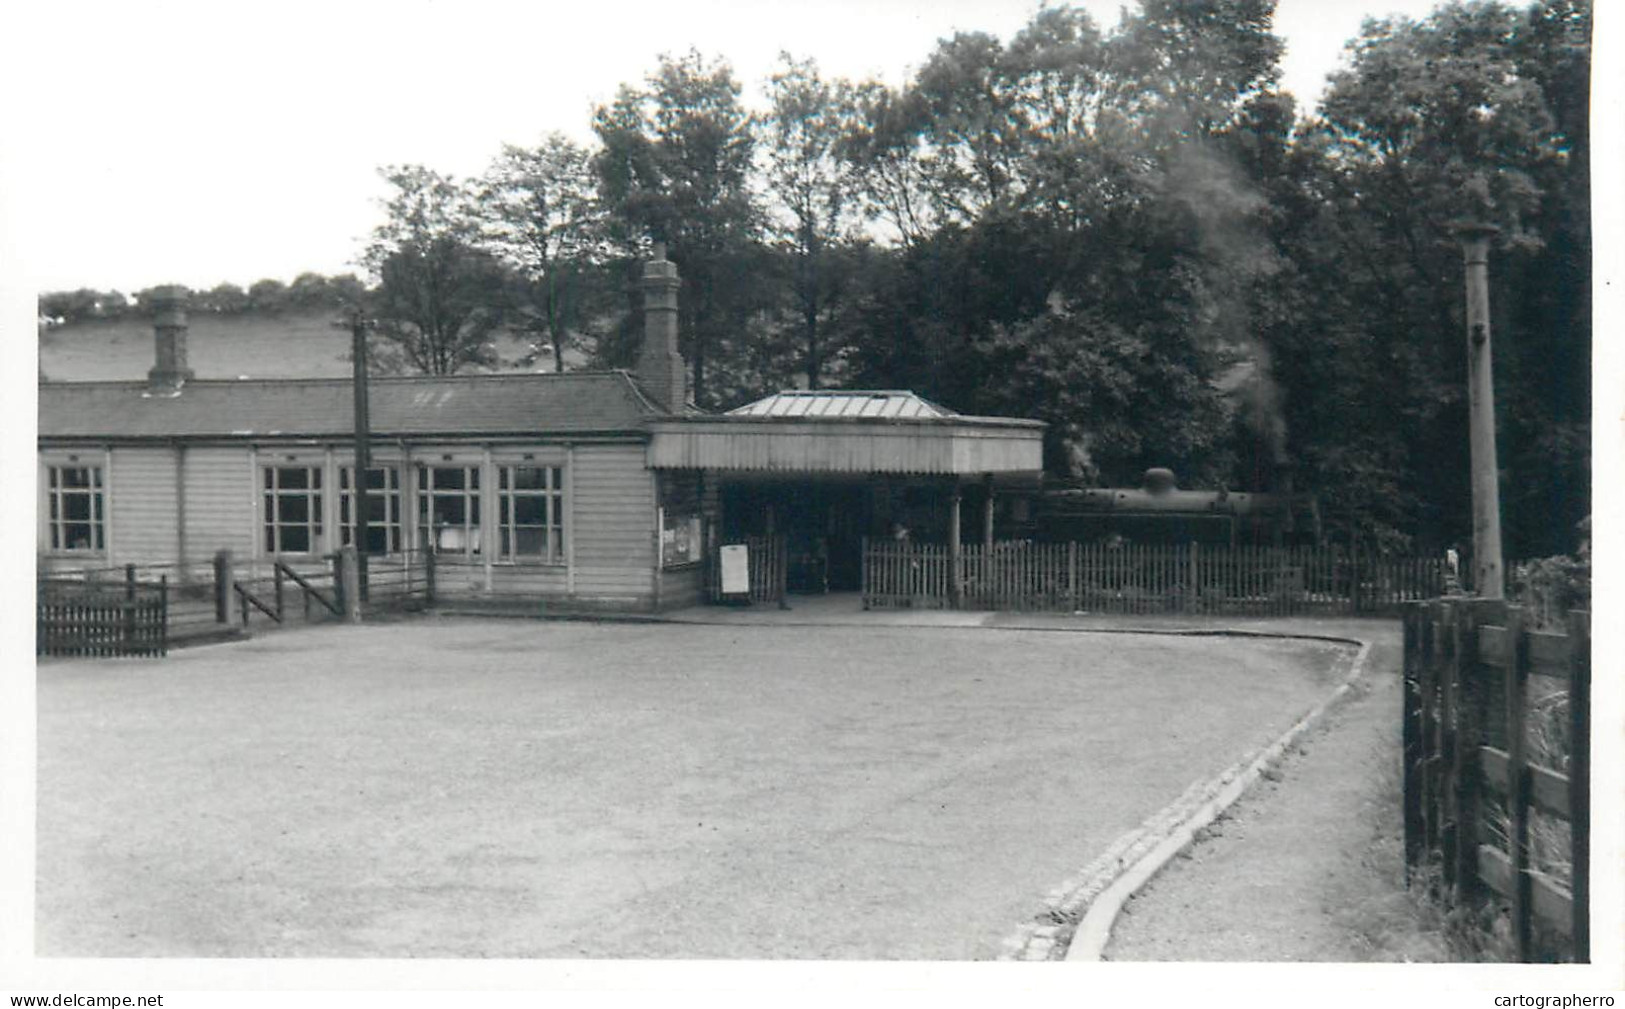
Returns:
<point x="848" y="432"/>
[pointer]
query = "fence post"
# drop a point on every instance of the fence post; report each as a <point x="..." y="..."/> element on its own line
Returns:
<point x="1579" y="774"/>
<point x="428" y="577"/>
<point x="1518" y="783"/>
<point x="346" y="583"/>
<point x="1410" y="713"/>
<point x="163" y="615"/>
<point x="222" y="586"/>
<point x="1469" y="740"/>
<point x="127" y="616"/>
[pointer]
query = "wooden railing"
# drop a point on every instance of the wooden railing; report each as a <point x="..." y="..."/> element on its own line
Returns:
<point x="76" y="616"/>
<point x="1134" y="578"/>
<point x="1497" y="773"/>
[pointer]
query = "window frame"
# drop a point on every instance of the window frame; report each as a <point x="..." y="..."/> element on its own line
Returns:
<point x="55" y="516"/>
<point x="426" y="489"/>
<point x="272" y="523"/>
<point x="392" y="493"/>
<point x="554" y="498"/>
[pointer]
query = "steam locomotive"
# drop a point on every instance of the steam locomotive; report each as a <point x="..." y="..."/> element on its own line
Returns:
<point x="1159" y="511"/>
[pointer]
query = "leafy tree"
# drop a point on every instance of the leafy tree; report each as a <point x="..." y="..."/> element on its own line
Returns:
<point x="676" y="168"/>
<point x="1448" y="117"/>
<point x="541" y="217"/>
<point x="814" y="213"/>
<point x="224" y="299"/>
<point x="439" y="296"/>
<point x="267" y="296"/>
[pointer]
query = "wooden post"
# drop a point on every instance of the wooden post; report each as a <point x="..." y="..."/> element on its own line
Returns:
<point x="1579" y="774"/>
<point x="1469" y="740"/>
<point x="1487" y="571"/>
<point x="222" y="586"/>
<point x="276" y="572"/>
<point x="1518" y="782"/>
<point x="347" y="583"/>
<point x="1411" y="727"/>
<point x="163" y="615"/>
<point x="428" y="576"/>
<point x="954" y="557"/>
<point x="127" y="621"/>
<point x="1449" y="748"/>
<point x="363" y="451"/>
<point x="987" y="514"/>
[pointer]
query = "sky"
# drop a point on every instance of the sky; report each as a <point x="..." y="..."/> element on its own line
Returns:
<point x="199" y="142"/>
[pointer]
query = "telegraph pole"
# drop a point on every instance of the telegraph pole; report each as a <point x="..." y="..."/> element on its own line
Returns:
<point x="1488" y="573"/>
<point x="363" y="446"/>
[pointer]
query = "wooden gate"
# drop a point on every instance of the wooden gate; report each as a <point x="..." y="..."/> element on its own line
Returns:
<point x="80" y="617"/>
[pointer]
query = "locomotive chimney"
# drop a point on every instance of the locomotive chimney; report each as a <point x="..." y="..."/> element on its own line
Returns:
<point x="169" y="371"/>
<point x="660" y="369"/>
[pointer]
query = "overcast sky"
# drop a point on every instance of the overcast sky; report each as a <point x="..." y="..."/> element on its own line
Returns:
<point x="199" y="142"/>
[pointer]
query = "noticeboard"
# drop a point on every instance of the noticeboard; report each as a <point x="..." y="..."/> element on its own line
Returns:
<point x="735" y="569"/>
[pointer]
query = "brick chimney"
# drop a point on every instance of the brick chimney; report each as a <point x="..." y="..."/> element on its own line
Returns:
<point x="661" y="370"/>
<point x="169" y="371"/>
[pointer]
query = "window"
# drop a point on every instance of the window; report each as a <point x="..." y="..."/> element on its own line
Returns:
<point x="383" y="508"/>
<point x="530" y="504"/>
<point x="449" y="507"/>
<point x="76" y="509"/>
<point x="293" y="510"/>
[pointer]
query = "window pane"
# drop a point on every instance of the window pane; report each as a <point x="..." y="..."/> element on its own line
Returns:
<point x="293" y="508"/>
<point x="270" y="539"/>
<point x="448" y="478"/>
<point x="76" y="535"/>
<point x="380" y="479"/>
<point x="474" y="477"/>
<point x="75" y="476"/>
<point x="344" y="509"/>
<point x="270" y="478"/>
<point x="76" y="506"/>
<point x="270" y="507"/>
<point x="529" y="511"/>
<point x="344" y="477"/>
<point x="295" y="539"/>
<point x="556" y="475"/>
<point x="55" y="476"/>
<point x="292" y="478"/>
<point x="528" y="477"/>
<point x="448" y="509"/>
<point x="377" y="508"/>
<point x="531" y="542"/>
<point x="377" y="539"/>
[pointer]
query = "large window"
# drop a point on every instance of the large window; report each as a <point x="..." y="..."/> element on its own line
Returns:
<point x="449" y="507"/>
<point x="76" y="509"/>
<point x="293" y="509"/>
<point x="530" y="505"/>
<point x="383" y="508"/>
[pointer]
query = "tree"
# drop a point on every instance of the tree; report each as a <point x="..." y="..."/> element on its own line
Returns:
<point x="542" y="218"/>
<point x="439" y="296"/>
<point x="1452" y="116"/>
<point x="676" y="168"/>
<point x="803" y="129"/>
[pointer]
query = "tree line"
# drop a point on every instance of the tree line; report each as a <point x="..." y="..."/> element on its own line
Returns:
<point x="1128" y="232"/>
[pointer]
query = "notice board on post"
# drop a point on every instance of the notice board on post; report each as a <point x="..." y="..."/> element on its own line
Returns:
<point x="735" y="569"/>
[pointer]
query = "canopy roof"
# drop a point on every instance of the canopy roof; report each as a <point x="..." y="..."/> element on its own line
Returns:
<point x="888" y="431"/>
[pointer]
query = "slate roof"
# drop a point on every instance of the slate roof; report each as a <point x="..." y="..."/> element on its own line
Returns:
<point x="867" y="404"/>
<point x="549" y="404"/>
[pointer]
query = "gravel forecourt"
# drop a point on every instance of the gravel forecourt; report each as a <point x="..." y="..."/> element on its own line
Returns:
<point x="465" y="788"/>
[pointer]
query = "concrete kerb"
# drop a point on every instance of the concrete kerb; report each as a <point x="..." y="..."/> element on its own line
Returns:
<point x="1094" y="899"/>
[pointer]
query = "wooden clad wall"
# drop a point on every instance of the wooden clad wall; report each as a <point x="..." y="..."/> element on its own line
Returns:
<point x="614" y="523"/>
<point x="141" y="505"/>
<point x="220" y="501"/>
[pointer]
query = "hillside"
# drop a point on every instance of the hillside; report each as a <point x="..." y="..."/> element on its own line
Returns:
<point x="289" y="345"/>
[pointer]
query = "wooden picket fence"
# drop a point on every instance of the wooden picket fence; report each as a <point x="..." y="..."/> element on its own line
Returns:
<point x="1130" y="578"/>
<point x="1497" y="721"/>
<point x="75" y="616"/>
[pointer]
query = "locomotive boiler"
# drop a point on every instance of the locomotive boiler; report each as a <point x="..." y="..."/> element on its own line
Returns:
<point x="1160" y="511"/>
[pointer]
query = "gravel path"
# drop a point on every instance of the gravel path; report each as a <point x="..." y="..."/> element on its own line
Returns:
<point x="1305" y="866"/>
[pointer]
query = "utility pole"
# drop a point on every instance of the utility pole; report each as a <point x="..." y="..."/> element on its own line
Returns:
<point x="1488" y="572"/>
<point x="363" y="447"/>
